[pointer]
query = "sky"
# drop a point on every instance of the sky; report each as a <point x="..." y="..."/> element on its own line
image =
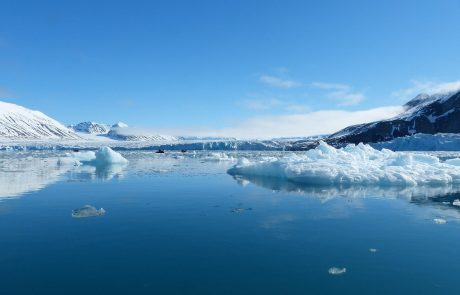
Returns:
<point x="244" y="68"/>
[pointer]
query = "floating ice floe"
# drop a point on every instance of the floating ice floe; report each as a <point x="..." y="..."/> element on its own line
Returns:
<point x="373" y="250"/>
<point x="439" y="221"/>
<point x="218" y="156"/>
<point x="337" y="270"/>
<point x="353" y="164"/>
<point x="87" y="211"/>
<point x="104" y="156"/>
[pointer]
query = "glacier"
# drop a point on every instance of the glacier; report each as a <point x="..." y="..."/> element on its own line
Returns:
<point x="353" y="165"/>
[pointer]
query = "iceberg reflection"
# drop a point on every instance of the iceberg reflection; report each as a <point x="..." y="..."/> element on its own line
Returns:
<point x="443" y="194"/>
<point x="25" y="174"/>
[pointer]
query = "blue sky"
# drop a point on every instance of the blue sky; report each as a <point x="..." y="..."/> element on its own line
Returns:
<point x="224" y="65"/>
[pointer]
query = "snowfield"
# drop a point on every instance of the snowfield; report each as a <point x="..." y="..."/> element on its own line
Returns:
<point x="355" y="164"/>
<point x="19" y="122"/>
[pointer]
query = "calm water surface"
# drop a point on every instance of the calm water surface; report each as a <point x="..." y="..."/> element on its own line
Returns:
<point x="181" y="225"/>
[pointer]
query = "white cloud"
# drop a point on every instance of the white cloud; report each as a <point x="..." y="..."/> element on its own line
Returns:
<point x="428" y="87"/>
<point x="278" y="82"/>
<point x="343" y="93"/>
<point x="293" y="125"/>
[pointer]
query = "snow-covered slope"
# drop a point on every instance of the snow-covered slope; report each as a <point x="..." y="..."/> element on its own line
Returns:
<point x="422" y="142"/>
<point x="120" y="125"/>
<point x="430" y="114"/>
<point x="137" y="134"/>
<point x="20" y="123"/>
<point x="91" y="128"/>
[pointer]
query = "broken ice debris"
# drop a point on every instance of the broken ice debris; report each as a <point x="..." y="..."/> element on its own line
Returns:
<point x="337" y="270"/>
<point x="87" y="211"/>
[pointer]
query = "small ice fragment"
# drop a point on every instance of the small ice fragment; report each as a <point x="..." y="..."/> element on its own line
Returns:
<point x="87" y="211"/>
<point x="439" y="221"/>
<point x="456" y="202"/>
<point x="337" y="270"/>
<point x="373" y="250"/>
<point x="237" y="210"/>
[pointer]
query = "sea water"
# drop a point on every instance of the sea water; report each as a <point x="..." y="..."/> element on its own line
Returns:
<point x="180" y="224"/>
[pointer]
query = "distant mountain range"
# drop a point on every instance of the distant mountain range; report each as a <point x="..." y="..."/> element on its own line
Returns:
<point x="425" y="114"/>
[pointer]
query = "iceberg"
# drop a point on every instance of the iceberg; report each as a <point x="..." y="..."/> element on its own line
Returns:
<point x="87" y="211"/>
<point x="107" y="156"/>
<point x="104" y="156"/>
<point x="439" y="221"/>
<point x="337" y="270"/>
<point x="352" y="165"/>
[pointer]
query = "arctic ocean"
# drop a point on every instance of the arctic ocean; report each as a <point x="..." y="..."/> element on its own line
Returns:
<point x="179" y="223"/>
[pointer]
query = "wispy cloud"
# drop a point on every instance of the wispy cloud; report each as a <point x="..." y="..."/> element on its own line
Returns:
<point x="343" y="93"/>
<point x="293" y="125"/>
<point x="428" y="87"/>
<point x="278" y="82"/>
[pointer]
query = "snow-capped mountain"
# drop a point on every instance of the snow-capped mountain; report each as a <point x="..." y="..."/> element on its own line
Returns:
<point x="430" y="114"/>
<point x="91" y="128"/>
<point x="120" y="125"/>
<point x="123" y="132"/>
<point x="20" y="123"/>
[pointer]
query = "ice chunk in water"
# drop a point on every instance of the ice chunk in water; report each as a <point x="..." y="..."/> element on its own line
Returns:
<point x="107" y="156"/>
<point x="87" y="211"/>
<point x="351" y="165"/>
<point x="104" y="156"/>
<point x="337" y="270"/>
<point x="76" y="158"/>
<point x="439" y="221"/>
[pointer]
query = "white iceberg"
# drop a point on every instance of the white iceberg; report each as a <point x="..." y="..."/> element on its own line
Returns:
<point x="354" y="164"/>
<point x="337" y="270"/>
<point x="77" y="158"/>
<point x="104" y="156"/>
<point x="87" y="211"/>
<point x="439" y="221"/>
<point x="107" y="156"/>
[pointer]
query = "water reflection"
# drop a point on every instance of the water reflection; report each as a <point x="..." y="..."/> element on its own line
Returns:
<point x="25" y="174"/>
<point x="355" y="191"/>
<point x="433" y="201"/>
